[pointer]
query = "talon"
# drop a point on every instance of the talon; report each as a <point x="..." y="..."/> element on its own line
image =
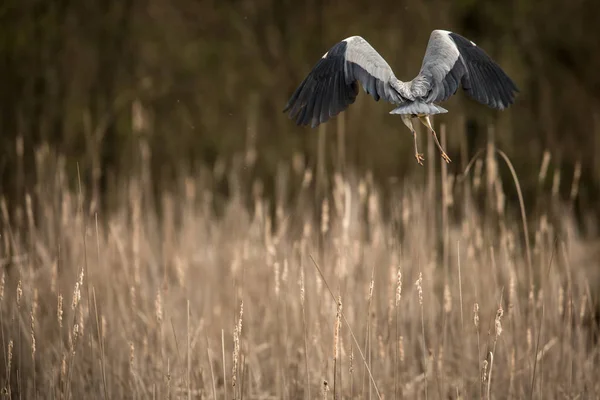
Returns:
<point x="419" y="158"/>
<point x="446" y="158"/>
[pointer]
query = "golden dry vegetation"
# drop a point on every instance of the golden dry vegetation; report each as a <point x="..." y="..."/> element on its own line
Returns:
<point x="429" y="288"/>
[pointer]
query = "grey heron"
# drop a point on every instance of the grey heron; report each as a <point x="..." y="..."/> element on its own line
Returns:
<point x="450" y="60"/>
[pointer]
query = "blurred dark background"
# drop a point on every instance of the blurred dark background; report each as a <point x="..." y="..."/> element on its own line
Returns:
<point x="196" y="82"/>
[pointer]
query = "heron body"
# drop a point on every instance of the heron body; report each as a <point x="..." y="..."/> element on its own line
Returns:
<point x="450" y="61"/>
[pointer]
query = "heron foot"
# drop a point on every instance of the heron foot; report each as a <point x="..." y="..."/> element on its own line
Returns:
<point x="420" y="158"/>
<point x="445" y="157"/>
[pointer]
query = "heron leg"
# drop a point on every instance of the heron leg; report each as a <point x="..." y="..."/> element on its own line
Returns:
<point x="418" y="156"/>
<point x="425" y="121"/>
<point x="407" y="121"/>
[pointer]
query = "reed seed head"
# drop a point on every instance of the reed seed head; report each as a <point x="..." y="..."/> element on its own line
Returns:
<point x="32" y="332"/>
<point x="131" y="355"/>
<point x="498" y="321"/>
<point x="103" y="326"/>
<point x="582" y="306"/>
<point x="285" y="271"/>
<point x="2" y="283"/>
<point x="338" y="321"/>
<point x="10" y="353"/>
<point x="77" y="291"/>
<point x="276" y="269"/>
<point x="308" y="175"/>
<point x="561" y="301"/>
<point x="398" y="287"/>
<point x="81" y="320"/>
<point x="302" y="287"/>
<point x="447" y="299"/>
<point x="19" y="293"/>
<point x="63" y="367"/>
<point x="485" y="370"/>
<point x="325" y="216"/>
<point x="237" y="332"/>
<point x="544" y="167"/>
<point x="59" y="310"/>
<point x="512" y="288"/>
<point x="476" y="315"/>
<point x="419" y="285"/>
<point x="401" y="348"/>
<point x="54" y="277"/>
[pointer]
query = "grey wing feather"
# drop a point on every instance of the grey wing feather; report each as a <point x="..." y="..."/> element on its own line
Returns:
<point x="451" y="60"/>
<point x="332" y="84"/>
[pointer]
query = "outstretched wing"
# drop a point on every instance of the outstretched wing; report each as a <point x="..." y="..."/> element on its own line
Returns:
<point x="331" y="86"/>
<point x="450" y="60"/>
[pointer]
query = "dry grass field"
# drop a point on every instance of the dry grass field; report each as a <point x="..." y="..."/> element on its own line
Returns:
<point x="421" y="288"/>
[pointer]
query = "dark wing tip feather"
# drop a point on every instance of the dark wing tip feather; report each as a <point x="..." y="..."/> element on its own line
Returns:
<point x="324" y="92"/>
<point x="484" y="79"/>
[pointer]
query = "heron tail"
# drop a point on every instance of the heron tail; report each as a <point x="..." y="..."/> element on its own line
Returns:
<point x="418" y="108"/>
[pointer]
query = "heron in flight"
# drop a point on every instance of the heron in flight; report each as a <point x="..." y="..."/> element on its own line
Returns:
<point x="450" y="60"/>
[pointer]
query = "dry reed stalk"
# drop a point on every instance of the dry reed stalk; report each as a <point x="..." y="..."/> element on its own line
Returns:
<point x="368" y="327"/>
<point x="33" y="342"/>
<point x="419" y="286"/>
<point x="304" y="324"/>
<point x="100" y="332"/>
<point x="212" y="373"/>
<point x="544" y="167"/>
<point x="351" y="370"/>
<point x="168" y="378"/>
<point x="556" y="183"/>
<point x="325" y="217"/>
<point x="18" y="333"/>
<point x="59" y="316"/>
<point x="460" y="292"/>
<point x="498" y="332"/>
<point x="237" y="332"/>
<point x="224" y="365"/>
<point x="477" y="174"/>
<point x="397" y="330"/>
<point x="188" y="353"/>
<point x="2" y="285"/>
<point x="476" y="324"/>
<point x="336" y="343"/>
<point x="131" y="367"/>
<point x="9" y="366"/>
